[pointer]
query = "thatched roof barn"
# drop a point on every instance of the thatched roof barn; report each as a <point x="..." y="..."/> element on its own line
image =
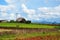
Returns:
<point x="21" y="20"/>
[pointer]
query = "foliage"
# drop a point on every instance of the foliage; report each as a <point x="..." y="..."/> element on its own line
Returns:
<point x="58" y="27"/>
<point x="12" y="21"/>
<point x="28" y="22"/>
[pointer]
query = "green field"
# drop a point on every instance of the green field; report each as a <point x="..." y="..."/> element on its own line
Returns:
<point x="27" y="35"/>
<point x="24" y="25"/>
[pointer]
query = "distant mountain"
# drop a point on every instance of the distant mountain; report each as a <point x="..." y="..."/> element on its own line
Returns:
<point x="45" y="22"/>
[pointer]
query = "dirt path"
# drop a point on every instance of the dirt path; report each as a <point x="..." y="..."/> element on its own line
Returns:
<point x="41" y="38"/>
<point x="29" y="30"/>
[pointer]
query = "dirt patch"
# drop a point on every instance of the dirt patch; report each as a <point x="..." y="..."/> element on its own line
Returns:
<point x="29" y="30"/>
<point x="41" y="38"/>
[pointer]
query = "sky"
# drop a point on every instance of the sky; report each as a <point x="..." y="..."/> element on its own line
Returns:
<point x="47" y="11"/>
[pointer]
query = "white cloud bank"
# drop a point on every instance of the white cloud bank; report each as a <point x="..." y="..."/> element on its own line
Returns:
<point x="11" y="8"/>
<point x="28" y="11"/>
<point x="31" y="13"/>
<point x="50" y="12"/>
<point x="43" y="13"/>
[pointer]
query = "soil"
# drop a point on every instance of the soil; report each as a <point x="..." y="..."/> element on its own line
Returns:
<point x="31" y="30"/>
<point x="41" y="38"/>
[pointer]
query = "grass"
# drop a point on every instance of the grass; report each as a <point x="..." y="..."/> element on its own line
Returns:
<point x="27" y="35"/>
<point x="7" y="37"/>
<point x="23" y="25"/>
<point x="38" y="34"/>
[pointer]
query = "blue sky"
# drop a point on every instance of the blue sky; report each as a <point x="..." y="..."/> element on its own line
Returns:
<point x="34" y="10"/>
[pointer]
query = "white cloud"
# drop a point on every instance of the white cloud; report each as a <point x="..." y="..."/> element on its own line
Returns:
<point x="9" y="9"/>
<point x="4" y="14"/>
<point x="19" y="15"/>
<point x="12" y="16"/>
<point x="33" y="17"/>
<point x="28" y="11"/>
<point x="42" y="12"/>
<point x="12" y="1"/>
<point x="24" y="6"/>
<point x="4" y="10"/>
<point x="31" y="13"/>
<point x="50" y="12"/>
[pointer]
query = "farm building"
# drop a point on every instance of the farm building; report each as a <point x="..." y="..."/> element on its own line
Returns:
<point x="21" y="20"/>
<point x="3" y="20"/>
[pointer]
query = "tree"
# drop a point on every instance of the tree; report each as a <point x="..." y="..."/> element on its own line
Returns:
<point x="58" y="27"/>
<point x="12" y="21"/>
<point x="28" y="21"/>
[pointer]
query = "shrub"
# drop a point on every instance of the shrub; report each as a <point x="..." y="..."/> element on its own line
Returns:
<point x="28" y="21"/>
<point x="12" y="21"/>
<point x="58" y="27"/>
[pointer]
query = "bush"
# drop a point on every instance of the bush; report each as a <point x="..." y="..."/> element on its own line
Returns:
<point x="58" y="27"/>
<point x="28" y="22"/>
<point x="12" y="21"/>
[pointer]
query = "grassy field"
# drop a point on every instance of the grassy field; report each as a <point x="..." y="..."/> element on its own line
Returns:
<point x="27" y="35"/>
<point x="23" y="25"/>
